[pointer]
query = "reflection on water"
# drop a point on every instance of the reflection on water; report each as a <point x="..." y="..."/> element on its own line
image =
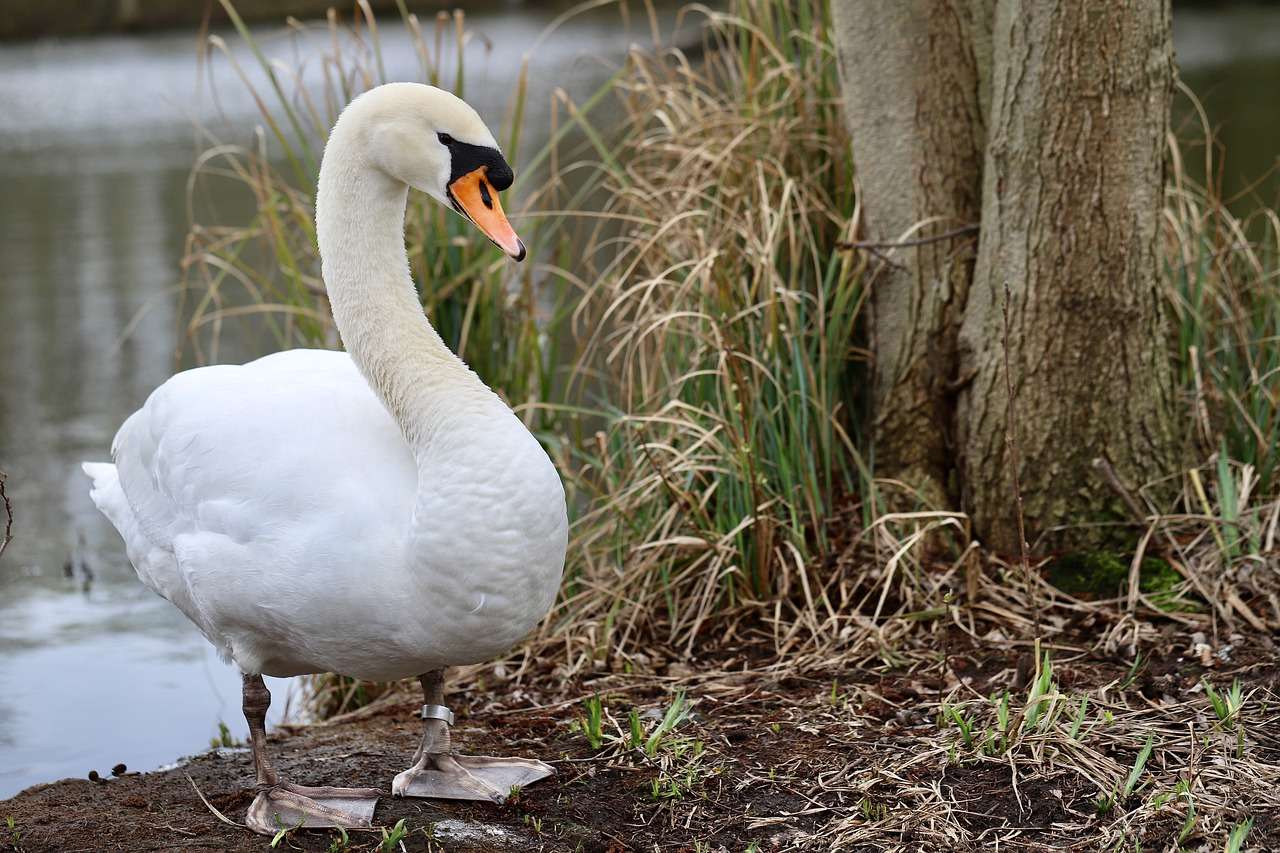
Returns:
<point x="97" y="142"/>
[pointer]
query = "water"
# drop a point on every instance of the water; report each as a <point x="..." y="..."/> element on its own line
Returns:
<point x="1231" y="61"/>
<point x="95" y="146"/>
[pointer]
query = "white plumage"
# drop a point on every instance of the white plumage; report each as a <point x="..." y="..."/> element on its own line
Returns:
<point x="381" y="514"/>
<point x="273" y="504"/>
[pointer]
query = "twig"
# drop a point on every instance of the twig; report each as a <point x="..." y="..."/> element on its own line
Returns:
<point x="1012" y="443"/>
<point x="679" y="495"/>
<point x="219" y="815"/>
<point x="907" y="244"/>
<point x="1108" y="473"/>
<point x="884" y="259"/>
<point x="8" y="515"/>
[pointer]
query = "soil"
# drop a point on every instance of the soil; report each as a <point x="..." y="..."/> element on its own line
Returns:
<point x="762" y="759"/>
<point x="590" y="804"/>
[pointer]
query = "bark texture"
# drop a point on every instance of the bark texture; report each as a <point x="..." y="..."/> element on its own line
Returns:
<point x="1044" y="122"/>
<point x="1073" y="186"/>
<point x="912" y="77"/>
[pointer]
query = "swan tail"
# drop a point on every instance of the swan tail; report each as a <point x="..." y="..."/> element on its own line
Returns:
<point x="107" y="495"/>
<point x="157" y="567"/>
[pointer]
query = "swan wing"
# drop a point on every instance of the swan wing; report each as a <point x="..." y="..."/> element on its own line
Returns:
<point x="265" y="500"/>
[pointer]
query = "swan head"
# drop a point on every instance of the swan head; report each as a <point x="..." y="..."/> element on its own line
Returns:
<point x="435" y="142"/>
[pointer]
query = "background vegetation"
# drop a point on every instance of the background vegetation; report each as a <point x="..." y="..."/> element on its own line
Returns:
<point x="687" y="344"/>
<point x="687" y="341"/>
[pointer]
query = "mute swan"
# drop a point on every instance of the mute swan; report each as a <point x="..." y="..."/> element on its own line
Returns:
<point x="378" y="513"/>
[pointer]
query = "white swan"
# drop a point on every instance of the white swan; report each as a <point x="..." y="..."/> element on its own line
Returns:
<point x="381" y="514"/>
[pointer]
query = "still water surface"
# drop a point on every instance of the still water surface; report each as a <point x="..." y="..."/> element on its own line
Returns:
<point x="95" y="150"/>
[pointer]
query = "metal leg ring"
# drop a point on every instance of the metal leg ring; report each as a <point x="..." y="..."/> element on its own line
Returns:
<point x="437" y="712"/>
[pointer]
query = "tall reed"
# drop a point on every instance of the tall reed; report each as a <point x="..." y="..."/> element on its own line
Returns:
<point x="718" y="329"/>
<point x="1223" y="276"/>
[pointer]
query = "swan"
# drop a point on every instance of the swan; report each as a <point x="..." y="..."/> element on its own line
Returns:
<point x="378" y="513"/>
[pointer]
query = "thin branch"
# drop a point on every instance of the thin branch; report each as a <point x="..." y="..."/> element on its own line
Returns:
<point x="8" y="515"/>
<point x="1108" y="473"/>
<point x="872" y="245"/>
<point x="1012" y="442"/>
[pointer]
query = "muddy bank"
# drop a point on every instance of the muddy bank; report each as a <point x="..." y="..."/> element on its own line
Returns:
<point x="161" y="810"/>
<point x="863" y="755"/>
<point x="591" y="804"/>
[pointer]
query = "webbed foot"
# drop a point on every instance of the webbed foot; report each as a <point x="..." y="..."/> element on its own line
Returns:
<point x="438" y="773"/>
<point x="286" y="806"/>
<point x="468" y="777"/>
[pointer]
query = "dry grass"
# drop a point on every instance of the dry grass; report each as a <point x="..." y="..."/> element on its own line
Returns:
<point x="966" y="771"/>
<point x="1223" y="275"/>
<point x="717" y="326"/>
<point x="720" y="343"/>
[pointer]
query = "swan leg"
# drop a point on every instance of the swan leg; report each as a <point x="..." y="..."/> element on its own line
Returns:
<point x="283" y="805"/>
<point x="438" y="773"/>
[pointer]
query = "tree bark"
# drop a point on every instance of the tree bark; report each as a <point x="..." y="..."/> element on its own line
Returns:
<point x="1044" y="122"/>
<point x="912" y="76"/>
<point x="1073" y="188"/>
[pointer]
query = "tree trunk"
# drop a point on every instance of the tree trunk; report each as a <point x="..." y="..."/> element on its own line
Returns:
<point x="1058" y="111"/>
<point x="1073" y="188"/>
<point x="912" y="75"/>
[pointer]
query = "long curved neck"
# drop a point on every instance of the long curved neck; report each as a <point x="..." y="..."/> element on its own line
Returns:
<point x="360" y="230"/>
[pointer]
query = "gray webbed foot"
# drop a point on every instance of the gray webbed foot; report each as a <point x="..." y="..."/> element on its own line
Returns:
<point x="438" y="773"/>
<point x="286" y="806"/>
<point x="283" y="805"/>
<point x="468" y="777"/>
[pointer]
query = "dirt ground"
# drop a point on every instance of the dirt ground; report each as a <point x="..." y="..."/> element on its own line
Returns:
<point x="855" y="758"/>
<point x="591" y="804"/>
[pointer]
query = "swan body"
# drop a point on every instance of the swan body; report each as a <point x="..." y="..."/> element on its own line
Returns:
<point x="271" y="503"/>
<point x="378" y="513"/>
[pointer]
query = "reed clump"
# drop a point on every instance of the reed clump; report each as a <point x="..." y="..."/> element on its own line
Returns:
<point x="1222" y="284"/>
<point x="721" y="336"/>
<point x="717" y="332"/>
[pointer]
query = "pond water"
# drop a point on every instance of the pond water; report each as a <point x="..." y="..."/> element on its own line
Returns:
<point x="1231" y="61"/>
<point x="96" y="144"/>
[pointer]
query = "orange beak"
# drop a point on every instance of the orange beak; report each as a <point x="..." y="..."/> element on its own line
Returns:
<point x="475" y="198"/>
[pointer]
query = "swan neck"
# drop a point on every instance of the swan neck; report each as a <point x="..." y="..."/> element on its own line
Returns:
<point x="360" y="216"/>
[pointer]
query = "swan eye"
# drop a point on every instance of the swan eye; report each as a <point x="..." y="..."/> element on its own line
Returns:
<point x="445" y="139"/>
